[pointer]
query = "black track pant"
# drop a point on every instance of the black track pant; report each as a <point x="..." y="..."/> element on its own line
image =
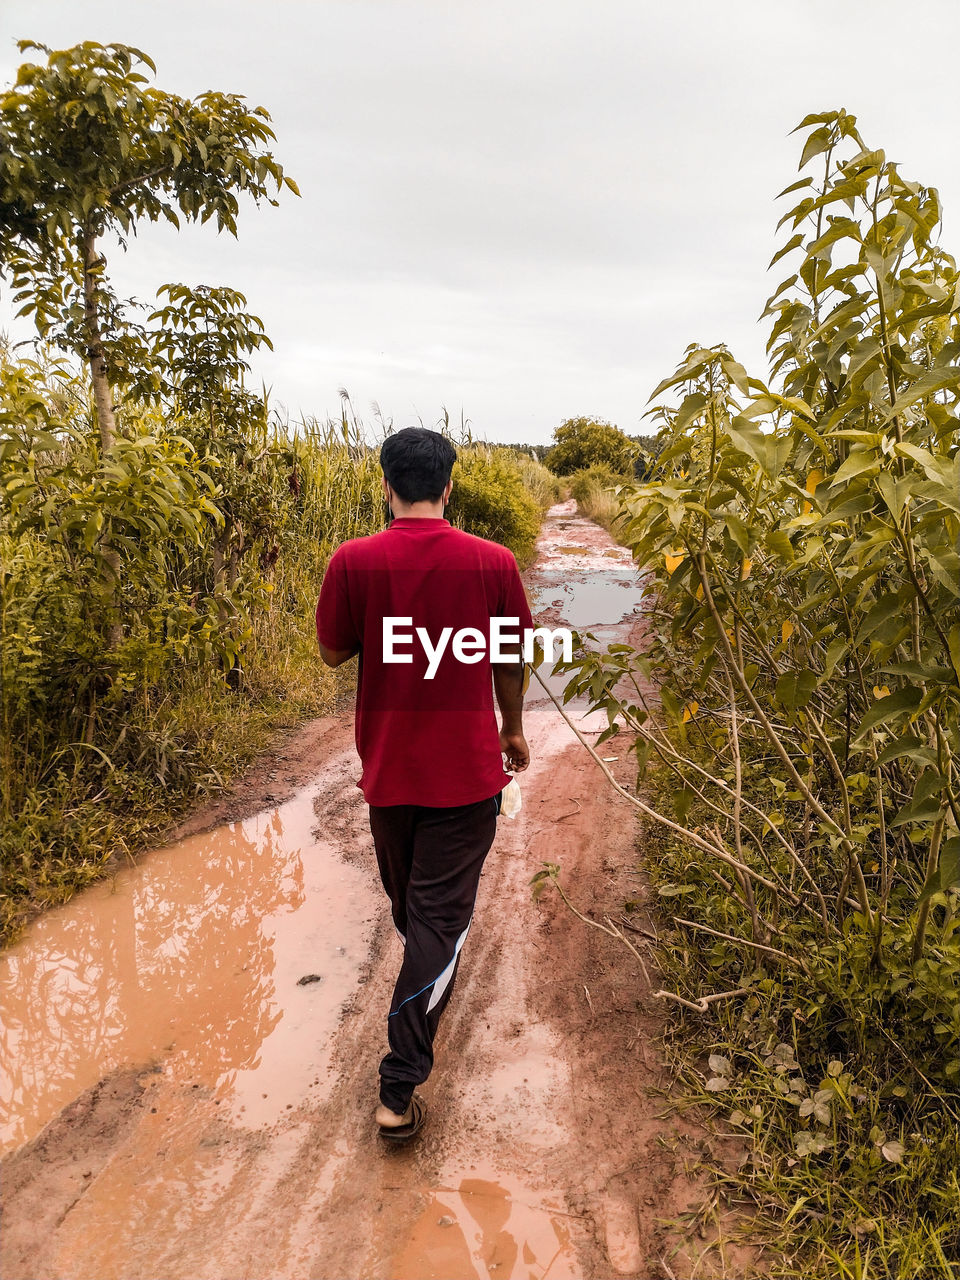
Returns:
<point x="430" y="862"/>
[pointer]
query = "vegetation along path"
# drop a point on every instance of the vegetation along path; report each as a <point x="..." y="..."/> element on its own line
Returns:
<point x="198" y="1040"/>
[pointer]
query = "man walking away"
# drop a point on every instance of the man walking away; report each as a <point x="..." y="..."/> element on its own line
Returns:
<point x="426" y="731"/>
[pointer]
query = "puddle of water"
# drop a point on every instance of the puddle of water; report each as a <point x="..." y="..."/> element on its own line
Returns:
<point x="487" y="1227"/>
<point x="190" y="958"/>
<point x="588" y="586"/>
<point x="608" y="589"/>
<point x="603" y="599"/>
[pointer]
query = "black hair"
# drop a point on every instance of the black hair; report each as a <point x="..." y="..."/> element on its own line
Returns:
<point x="417" y="463"/>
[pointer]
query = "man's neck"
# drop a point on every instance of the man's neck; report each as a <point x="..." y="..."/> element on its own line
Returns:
<point x="417" y="510"/>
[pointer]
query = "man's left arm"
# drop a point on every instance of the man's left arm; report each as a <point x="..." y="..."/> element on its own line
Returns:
<point x="508" y="676"/>
<point x="508" y="687"/>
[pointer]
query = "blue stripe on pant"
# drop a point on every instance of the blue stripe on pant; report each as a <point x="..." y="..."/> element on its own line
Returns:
<point x="430" y="862"/>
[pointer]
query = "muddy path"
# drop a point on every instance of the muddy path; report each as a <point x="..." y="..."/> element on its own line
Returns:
<point x="190" y="1050"/>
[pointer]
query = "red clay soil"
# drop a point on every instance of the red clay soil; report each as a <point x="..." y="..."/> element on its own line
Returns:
<point x="188" y="1109"/>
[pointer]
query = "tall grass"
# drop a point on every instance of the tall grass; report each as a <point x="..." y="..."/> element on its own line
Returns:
<point x="595" y="489"/>
<point x="540" y="483"/>
<point x="99" y="751"/>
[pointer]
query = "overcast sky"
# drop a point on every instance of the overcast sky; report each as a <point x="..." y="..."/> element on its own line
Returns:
<point x="520" y="211"/>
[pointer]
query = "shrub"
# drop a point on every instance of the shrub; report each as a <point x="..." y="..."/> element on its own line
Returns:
<point x="491" y="500"/>
<point x="587" y="442"/>
<point x="802" y="535"/>
<point x="223" y="540"/>
<point x="540" y="483"/>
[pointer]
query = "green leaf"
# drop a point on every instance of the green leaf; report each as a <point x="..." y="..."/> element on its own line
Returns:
<point x="895" y="706"/>
<point x="794" y="242"/>
<point x="928" y="383"/>
<point x="945" y="877"/>
<point x="795" y="186"/>
<point x="736" y="373"/>
<point x="953" y="641"/>
<point x="815" y="145"/>
<point x="925" y="810"/>
<point x="778" y="543"/>
<point x="859" y="461"/>
<point x="91" y="529"/>
<point x="682" y="800"/>
<point x="795" y="688"/>
<point x="836" y="650"/>
<point x="909" y="745"/>
<point x="738" y="531"/>
<point x="887" y="607"/>
<point x="950" y="864"/>
<point x="691" y="406"/>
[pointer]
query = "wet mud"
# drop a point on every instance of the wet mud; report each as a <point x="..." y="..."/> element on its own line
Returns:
<point x="190" y="1050"/>
<point x="191" y="958"/>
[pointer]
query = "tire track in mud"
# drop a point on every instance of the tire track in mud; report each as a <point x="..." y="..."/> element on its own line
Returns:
<point x="544" y="1153"/>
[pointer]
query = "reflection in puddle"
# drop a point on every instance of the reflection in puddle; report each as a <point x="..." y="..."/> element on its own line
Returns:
<point x="191" y="957"/>
<point x="487" y="1228"/>
<point x="603" y="599"/>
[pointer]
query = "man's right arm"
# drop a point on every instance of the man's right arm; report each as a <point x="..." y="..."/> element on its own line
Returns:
<point x="334" y="657"/>
<point x="336" y="633"/>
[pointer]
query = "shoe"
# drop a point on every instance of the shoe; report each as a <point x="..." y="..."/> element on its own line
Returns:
<point x="404" y="1132"/>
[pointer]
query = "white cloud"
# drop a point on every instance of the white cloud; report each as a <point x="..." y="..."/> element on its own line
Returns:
<point x="526" y="210"/>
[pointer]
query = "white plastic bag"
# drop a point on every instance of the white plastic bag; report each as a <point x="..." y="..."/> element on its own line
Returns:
<point x="511" y="801"/>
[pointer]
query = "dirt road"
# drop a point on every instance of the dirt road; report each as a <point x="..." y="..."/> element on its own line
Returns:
<point x="191" y="1049"/>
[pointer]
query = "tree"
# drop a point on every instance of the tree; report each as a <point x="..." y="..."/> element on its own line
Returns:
<point x="88" y="148"/>
<point x="199" y="343"/>
<point x="587" y="442"/>
<point x="200" y="340"/>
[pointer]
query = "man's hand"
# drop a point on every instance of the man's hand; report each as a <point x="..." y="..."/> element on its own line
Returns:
<point x="514" y="747"/>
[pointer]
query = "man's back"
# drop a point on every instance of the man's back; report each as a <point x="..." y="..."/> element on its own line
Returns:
<point x="426" y="728"/>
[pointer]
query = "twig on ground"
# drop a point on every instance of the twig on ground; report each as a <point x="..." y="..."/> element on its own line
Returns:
<point x="609" y="928"/>
<point x="706" y="846"/>
<point x="572" y="811"/>
<point x="704" y="1003"/>
<point x="745" y="942"/>
<point x="635" y="928"/>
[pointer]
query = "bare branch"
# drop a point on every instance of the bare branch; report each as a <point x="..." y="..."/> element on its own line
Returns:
<point x="743" y="942"/>
<point x="716" y="850"/>
<point x="702" y="1005"/>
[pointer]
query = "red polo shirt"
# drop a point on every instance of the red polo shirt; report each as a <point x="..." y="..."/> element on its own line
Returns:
<point x="422" y="741"/>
